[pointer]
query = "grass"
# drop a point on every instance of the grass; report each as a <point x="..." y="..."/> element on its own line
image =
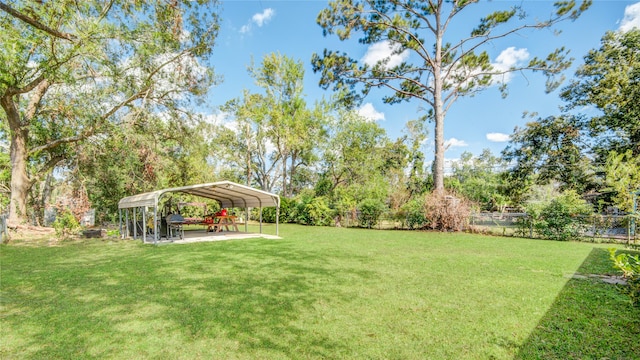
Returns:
<point x="319" y="293"/>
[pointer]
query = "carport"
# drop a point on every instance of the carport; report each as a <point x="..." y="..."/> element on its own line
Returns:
<point x="228" y="194"/>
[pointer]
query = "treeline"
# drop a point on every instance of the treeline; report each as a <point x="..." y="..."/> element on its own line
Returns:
<point x="111" y="116"/>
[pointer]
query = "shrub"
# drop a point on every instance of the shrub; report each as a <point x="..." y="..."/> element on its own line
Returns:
<point x="297" y="208"/>
<point x="318" y="212"/>
<point x="370" y="211"/>
<point x="414" y="214"/>
<point x="287" y="208"/>
<point x="446" y="212"/>
<point x="269" y="213"/>
<point x="560" y="218"/>
<point x="630" y="267"/>
<point x="66" y="224"/>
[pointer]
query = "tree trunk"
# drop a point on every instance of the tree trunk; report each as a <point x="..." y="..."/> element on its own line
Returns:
<point x="438" y="164"/>
<point x="438" y="110"/>
<point x="284" y="173"/>
<point x="20" y="182"/>
<point x="292" y="171"/>
<point x="247" y="156"/>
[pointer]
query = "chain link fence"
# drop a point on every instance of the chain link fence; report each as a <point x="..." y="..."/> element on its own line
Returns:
<point x="595" y="228"/>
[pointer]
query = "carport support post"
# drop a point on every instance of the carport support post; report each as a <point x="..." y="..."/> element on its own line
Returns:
<point x="135" y="224"/>
<point x="246" y="219"/>
<point x="155" y="224"/>
<point x="277" y="219"/>
<point x="120" y="222"/>
<point x="126" y="224"/>
<point x="144" y="225"/>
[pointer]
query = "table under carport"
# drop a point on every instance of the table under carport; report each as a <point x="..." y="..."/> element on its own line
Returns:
<point x="228" y="194"/>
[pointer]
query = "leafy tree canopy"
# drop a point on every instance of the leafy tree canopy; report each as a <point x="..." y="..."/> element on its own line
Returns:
<point x="609" y="80"/>
<point x="72" y="71"/>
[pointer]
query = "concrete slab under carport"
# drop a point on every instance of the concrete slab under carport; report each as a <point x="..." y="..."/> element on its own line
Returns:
<point x="201" y="235"/>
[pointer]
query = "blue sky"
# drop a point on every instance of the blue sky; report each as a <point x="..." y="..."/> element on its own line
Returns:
<point x="252" y="29"/>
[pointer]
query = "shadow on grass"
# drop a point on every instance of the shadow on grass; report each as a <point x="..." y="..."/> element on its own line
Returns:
<point x="249" y="299"/>
<point x="589" y="319"/>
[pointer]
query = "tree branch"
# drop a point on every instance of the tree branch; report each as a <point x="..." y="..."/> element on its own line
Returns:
<point x="32" y="107"/>
<point x="36" y="24"/>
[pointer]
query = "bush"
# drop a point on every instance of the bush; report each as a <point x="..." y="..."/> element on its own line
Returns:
<point x="560" y="219"/>
<point x="630" y="267"/>
<point x="318" y="212"/>
<point x="414" y="214"/>
<point x="269" y="213"/>
<point x="297" y="208"/>
<point x="446" y="212"/>
<point x="287" y="208"/>
<point x="65" y="225"/>
<point x="370" y="211"/>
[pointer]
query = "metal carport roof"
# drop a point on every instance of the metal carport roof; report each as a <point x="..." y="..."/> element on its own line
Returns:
<point x="227" y="193"/>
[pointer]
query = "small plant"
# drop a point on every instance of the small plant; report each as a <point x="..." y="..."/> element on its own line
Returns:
<point x="318" y="212"/>
<point x="415" y="214"/>
<point x="370" y="211"/>
<point x="65" y="225"/>
<point x="561" y="217"/>
<point x="630" y="267"/>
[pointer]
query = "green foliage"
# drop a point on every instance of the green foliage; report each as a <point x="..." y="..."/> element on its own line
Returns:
<point x="298" y="212"/>
<point x="370" y="211"/>
<point x="318" y="212"/>
<point x="630" y="267"/>
<point x="553" y="149"/>
<point x="560" y="217"/>
<point x="414" y="214"/>
<point x="287" y="209"/>
<point x="323" y="187"/>
<point x="5" y="180"/>
<point x="609" y="81"/>
<point x="287" y="212"/>
<point x="622" y="175"/>
<point x="308" y="209"/>
<point x="562" y="148"/>
<point x="66" y="225"/>
<point x="420" y="29"/>
<point x="268" y="215"/>
<point x="359" y="162"/>
<point x="478" y="179"/>
<point x="99" y="67"/>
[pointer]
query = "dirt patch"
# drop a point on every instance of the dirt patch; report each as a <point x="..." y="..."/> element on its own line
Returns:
<point x="30" y="235"/>
<point x="609" y="279"/>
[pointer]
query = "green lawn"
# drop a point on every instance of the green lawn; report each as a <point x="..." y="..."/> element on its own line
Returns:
<point x="319" y="293"/>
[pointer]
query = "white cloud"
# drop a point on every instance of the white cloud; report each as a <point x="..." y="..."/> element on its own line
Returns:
<point x="631" y="17"/>
<point x="218" y="119"/>
<point x="507" y="59"/>
<point x="258" y="19"/>
<point x="370" y="113"/>
<point x="263" y="17"/>
<point x="384" y="50"/>
<point x="453" y="142"/>
<point x="498" y="137"/>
